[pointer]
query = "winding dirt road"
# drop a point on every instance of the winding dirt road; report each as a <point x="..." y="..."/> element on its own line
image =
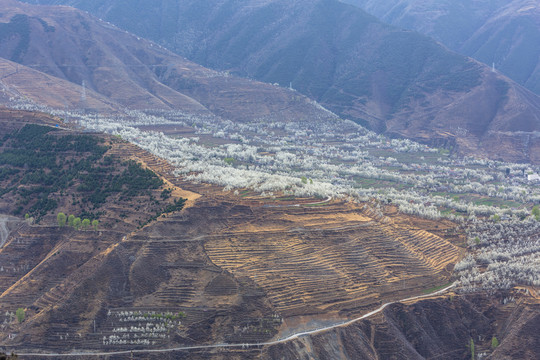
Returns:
<point x="243" y="346"/>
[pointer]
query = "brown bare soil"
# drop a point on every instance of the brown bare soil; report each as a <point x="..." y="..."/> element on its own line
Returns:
<point x="332" y="258"/>
<point x="22" y="81"/>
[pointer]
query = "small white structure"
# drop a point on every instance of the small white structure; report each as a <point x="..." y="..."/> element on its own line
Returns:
<point x="533" y="177"/>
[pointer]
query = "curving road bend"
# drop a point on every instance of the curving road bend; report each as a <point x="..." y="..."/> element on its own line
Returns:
<point x="243" y="346"/>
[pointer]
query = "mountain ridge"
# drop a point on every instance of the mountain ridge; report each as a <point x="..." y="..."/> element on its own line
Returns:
<point x="73" y="281"/>
<point x="390" y="80"/>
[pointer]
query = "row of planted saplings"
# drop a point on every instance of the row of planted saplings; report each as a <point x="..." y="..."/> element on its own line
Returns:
<point x="76" y="222"/>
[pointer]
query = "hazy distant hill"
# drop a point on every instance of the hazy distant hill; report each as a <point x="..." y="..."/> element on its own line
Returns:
<point x="392" y="80"/>
<point x="336" y="54"/>
<point x="62" y="44"/>
<point x="503" y="32"/>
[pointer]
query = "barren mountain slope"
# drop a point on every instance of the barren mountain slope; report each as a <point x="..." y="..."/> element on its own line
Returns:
<point x="440" y="328"/>
<point x="391" y="80"/>
<point x="21" y="82"/>
<point x="132" y="72"/>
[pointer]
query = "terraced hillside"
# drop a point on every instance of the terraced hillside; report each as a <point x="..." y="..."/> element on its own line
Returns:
<point x="226" y="268"/>
<point x="438" y="328"/>
<point x="49" y="172"/>
<point x="334" y="257"/>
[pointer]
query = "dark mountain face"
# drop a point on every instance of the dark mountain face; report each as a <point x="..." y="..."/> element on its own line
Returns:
<point x="505" y="33"/>
<point x="393" y="81"/>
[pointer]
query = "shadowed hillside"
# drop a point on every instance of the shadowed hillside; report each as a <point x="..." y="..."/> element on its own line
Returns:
<point x="500" y="33"/>
<point x="435" y="328"/>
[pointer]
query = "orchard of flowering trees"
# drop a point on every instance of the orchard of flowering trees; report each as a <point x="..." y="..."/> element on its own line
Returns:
<point x="342" y="159"/>
<point x="503" y="255"/>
